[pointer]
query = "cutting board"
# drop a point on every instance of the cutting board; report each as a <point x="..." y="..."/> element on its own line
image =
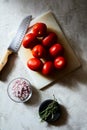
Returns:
<point x="38" y="80"/>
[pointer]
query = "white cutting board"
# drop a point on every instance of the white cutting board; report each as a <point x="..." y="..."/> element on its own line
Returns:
<point x="38" y="80"/>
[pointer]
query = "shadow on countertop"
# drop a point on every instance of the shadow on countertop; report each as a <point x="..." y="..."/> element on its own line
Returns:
<point x="35" y="99"/>
<point x="8" y="67"/>
<point x="80" y="75"/>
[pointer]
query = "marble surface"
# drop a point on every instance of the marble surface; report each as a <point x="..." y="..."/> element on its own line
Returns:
<point x="71" y="91"/>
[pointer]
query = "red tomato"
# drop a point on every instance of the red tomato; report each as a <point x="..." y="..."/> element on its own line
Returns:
<point x="50" y="39"/>
<point x="39" y="29"/>
<point x="59" y="62"/>
<point x="56" y="50"/>
<point x="47" y="68"/>
<point x="29" y="40"/>
<point x="38" y="51"/>
<point x="34" y="64"/>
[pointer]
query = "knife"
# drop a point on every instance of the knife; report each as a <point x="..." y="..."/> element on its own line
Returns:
<point x="16" y="42"/>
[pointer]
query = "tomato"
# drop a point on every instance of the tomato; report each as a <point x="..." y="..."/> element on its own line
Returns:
<point x="56" y="50"/>
<point x="59" y="62"/>
<point x="39" y="29"/>
<point x="38" y="51"/>
<point x="47" y="68"/>
<point x="50" y="39"/>
<point x="34" y="64"/>
<point x="29" y="40"/>
<point x="44" y="47"/>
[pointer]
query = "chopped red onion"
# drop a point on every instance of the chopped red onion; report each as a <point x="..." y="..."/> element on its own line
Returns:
<point x="21" y="89"/>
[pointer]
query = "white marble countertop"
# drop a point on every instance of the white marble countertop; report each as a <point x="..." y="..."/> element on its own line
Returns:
<point x="71" y="91"/>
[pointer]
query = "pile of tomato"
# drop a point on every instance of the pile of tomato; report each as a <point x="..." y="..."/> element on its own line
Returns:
<point x="47" y="52"/>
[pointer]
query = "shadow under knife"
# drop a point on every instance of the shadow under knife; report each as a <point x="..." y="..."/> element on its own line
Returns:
<point x="8" y="67"/>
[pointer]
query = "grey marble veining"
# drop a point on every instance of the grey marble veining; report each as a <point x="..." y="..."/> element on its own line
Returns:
<point x="71" y="91"/>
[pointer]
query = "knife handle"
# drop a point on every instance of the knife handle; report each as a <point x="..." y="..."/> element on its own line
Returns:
<point x="5" y="59"/>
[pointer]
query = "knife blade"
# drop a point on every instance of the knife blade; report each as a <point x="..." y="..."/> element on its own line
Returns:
<point x="16" y="42"/>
